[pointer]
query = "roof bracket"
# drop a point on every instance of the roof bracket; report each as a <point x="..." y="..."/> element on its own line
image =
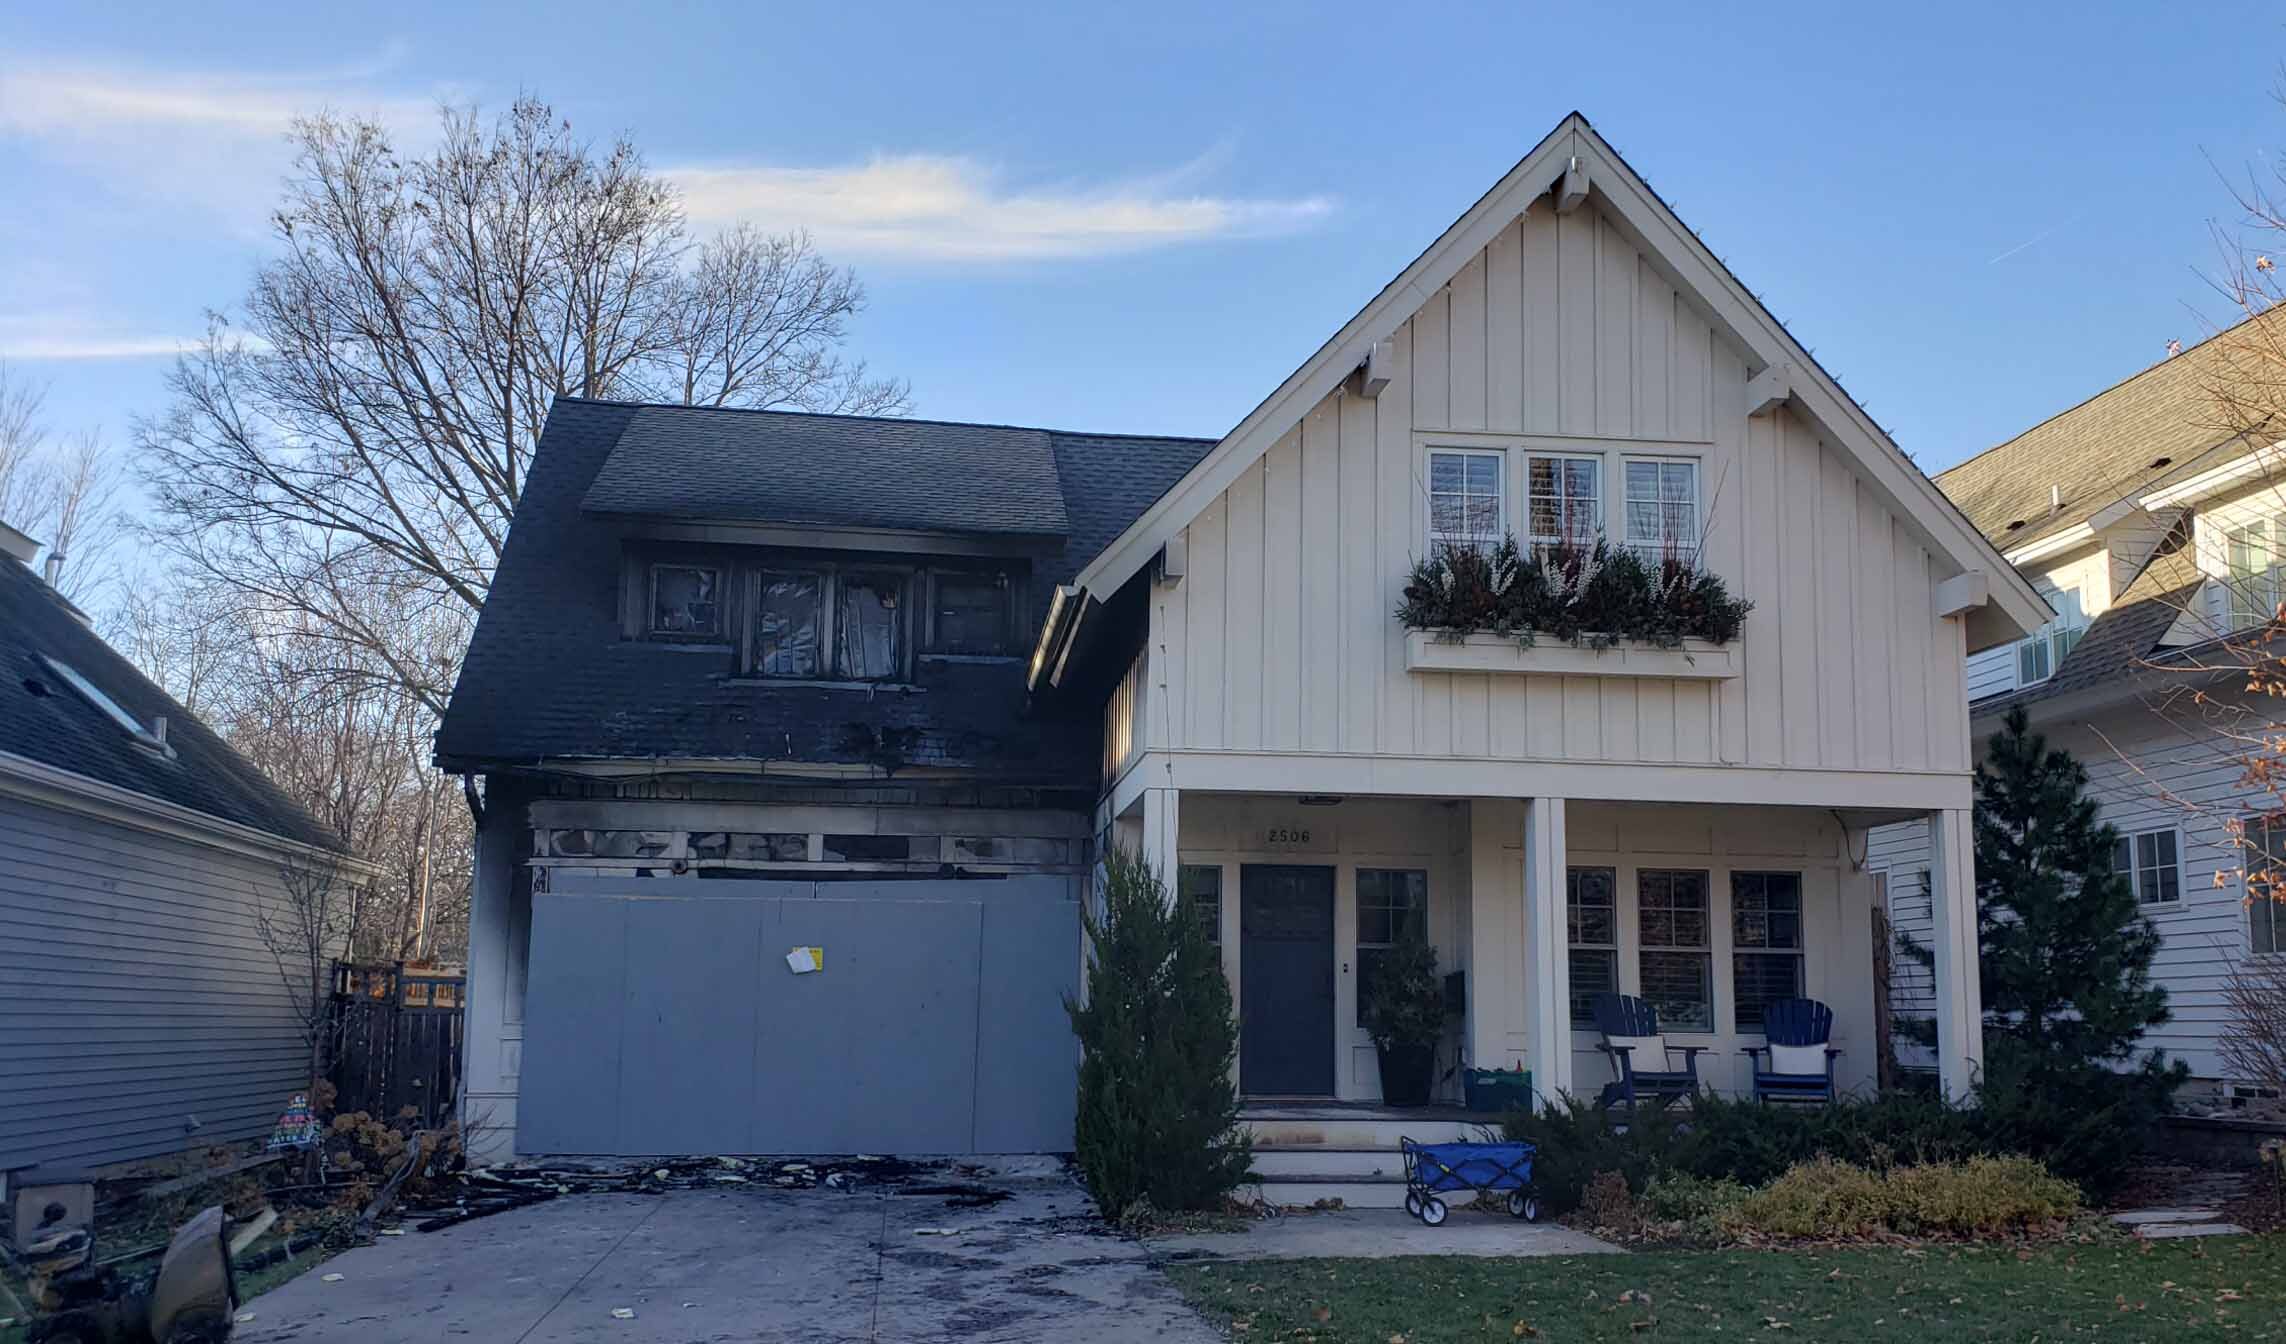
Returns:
<point x="1572" y="189"/>
<point x="1769" y="389"/>
<point x="1373" y="370"/>
<point x="1963" y="592"/>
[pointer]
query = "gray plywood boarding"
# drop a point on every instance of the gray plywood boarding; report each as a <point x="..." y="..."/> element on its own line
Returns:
<point x="661" y="1017"/>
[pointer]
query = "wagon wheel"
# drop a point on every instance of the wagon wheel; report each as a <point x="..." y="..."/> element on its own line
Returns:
<point x="1412" y="1204"/>
<point x="1524" y="1206"/>
<point x="1433" y="1211"/>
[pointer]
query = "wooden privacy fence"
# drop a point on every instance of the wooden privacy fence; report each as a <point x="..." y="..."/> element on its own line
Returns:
<point x="396" y="1038"/>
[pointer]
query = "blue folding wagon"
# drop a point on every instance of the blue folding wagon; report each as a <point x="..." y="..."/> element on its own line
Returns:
<point x="1486" y="1168"/>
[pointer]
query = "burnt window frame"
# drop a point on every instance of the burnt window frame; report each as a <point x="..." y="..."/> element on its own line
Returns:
<point x="1011" y="586"/>
<point x="723" y="586"/>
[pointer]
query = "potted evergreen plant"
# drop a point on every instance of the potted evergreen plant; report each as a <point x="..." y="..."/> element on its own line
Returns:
<point x="1405" y="1015"/>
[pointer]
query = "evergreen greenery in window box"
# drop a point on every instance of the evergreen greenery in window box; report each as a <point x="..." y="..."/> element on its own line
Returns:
<point x="1588" y="593"/>
<point x="1405" y="1016"/>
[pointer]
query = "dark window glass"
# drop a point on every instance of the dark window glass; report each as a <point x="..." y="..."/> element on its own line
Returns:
<point x="686" y="600"/>
<point x="1388" y="899"/>
<point x="1677" y="970"/>
<point x="1766" y="935"/>
<point x="2266" y="883"/>
<point x="972" y="613"/>
<point x="1202" y="895"/>
<point x="1591" y="915"/>
<point x="2148" y="861"/>
<point x="868" y="631"/>
<point x="788" y="642"/>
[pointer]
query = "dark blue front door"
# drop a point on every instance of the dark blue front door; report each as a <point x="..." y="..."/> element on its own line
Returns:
<point x="1286" y="981"/>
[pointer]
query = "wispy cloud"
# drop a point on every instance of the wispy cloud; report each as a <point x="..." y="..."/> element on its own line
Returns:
<point x="214" y="141"/>
<point x="64" y="334"/>
<point x="953" y="209"/>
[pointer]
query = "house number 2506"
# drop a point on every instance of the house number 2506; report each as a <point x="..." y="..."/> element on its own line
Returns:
<point x="1289" y="835"/>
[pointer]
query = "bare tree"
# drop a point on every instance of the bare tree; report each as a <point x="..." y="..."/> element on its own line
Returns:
<point x="2253" y="1046"/>
<point x="63" y="493"/>
<point x="358" y="451"/>
<point x="313" y="920"/>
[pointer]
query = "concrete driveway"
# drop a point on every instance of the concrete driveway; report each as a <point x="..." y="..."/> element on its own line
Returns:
<point x="750" y="1264"/>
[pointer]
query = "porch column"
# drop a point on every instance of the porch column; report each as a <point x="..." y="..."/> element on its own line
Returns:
<point x="1162" y="829"/>
<point x="1547" y="965"/>
<point x="1960" y="995"/>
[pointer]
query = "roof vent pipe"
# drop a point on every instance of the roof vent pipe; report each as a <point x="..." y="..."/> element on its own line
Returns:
<point x="53" y="570"/>
<point x="159" y="729"/>
<point x="2055" y="498"/>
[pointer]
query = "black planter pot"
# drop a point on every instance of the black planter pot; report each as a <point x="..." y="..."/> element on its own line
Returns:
<point x="1407" y="1071"/>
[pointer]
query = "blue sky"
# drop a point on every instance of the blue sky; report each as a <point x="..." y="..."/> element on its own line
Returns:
<point x="1142" y="217"/>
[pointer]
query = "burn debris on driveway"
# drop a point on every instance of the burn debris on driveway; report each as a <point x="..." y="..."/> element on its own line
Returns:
<point x="485" y="1191"/>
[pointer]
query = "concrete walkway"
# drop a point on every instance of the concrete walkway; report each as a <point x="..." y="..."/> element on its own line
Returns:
<point x="749" y="1264"/>
<point x="1376" y="1234"/>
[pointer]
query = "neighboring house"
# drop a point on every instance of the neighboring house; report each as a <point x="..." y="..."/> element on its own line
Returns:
<point x="893" y="683"/>
<point x="2154" y="531"/>
<point x="140" y="1010"/>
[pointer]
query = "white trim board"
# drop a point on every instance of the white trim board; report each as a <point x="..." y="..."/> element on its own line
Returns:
<point x="1574" y="149"/>
<point x="38" y="782"/>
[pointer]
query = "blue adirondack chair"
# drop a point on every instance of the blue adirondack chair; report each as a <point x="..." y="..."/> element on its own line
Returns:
<point x="1642" y="1062"/>
<point x="1797" y="1064"/>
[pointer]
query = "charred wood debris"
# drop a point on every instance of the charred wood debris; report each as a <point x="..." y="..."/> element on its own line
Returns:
<point x="484" y="1191"/>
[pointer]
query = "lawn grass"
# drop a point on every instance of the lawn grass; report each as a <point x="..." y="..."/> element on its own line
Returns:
<point x="2232" y="1287"/>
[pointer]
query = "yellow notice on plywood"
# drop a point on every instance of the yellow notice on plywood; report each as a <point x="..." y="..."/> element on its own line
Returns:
<point x="803" y="960"/>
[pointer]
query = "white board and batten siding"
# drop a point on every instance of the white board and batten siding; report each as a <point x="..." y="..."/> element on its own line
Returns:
<point x="2144" y="774"/>
<point x="1559" y="336"/>
<point x="140" y="1011"/>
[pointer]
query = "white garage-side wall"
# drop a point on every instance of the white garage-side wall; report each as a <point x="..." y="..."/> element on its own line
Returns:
<point x="2144" y="773"/>
<point x="1559" y="336"/>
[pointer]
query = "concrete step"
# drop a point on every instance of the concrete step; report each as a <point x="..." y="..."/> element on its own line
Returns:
<point x="1315" y="1162"/>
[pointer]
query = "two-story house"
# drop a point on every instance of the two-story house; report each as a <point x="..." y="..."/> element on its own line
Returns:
<point x="892" y="684"/>
<point x="2157" y="533"/>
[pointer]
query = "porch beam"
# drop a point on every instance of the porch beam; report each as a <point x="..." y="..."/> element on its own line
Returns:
<point x="1960" y="995"/>
<point x="1547" y="962"/>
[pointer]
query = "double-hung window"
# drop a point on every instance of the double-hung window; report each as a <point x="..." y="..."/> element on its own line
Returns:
<point x="686" y="601"/>
<point x="2038" y="657"/>
<point x="2265" y="859"/>
<point x="1766" y="942"/>
<point x="1591" y="912"/>
<point x="2256" y="556"/>
<point x="1201" y="885"/>
<point x="1661" y="507"/>
<point x="1563" y="499"/>
<point x="2149" y="860"/>
<point x="970" y="613"/>
<point x="1389" y="901"/>
<point x="1466" y="507"/>
<point x="1675" y="959"/>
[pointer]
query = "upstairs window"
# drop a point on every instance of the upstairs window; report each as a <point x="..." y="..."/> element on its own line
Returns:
<point x="789" y="638"/>
<point x="2265" y="859"/>
<point x="1662" y="507"/>
<point x="971" y="614"/>
<point x="869" y="625"/>
<point x="2038" y="657"/>
<point x="686" y="601"/>
<point x="1563" y="498"/>
<point x="1465" y="504"/>
<point x="2256" y="556"/>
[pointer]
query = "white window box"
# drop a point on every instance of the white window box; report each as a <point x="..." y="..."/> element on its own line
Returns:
<point x="1697" y="660"/>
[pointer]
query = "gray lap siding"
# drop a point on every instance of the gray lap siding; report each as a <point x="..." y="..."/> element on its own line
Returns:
<point x="135" y="993"/>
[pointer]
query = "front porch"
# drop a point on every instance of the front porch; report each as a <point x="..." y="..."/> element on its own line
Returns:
<point x="1708" y="911"/>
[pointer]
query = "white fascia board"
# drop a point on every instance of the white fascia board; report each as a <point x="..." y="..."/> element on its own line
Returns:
<point x="1333" y="362"/>
<point x="2070" y="539"/>
<point x="38" y="782"/>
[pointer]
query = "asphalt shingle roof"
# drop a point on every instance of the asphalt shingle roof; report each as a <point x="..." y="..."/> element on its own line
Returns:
<point x="2161" y="424"/>
<point x="832" y="470"/>
<point x="548" y="675"/>
<point x="43" y="717"/>
<point x="2122" y="638"/>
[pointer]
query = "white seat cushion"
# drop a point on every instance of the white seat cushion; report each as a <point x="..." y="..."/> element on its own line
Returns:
<point x="1809" y="1060"/>
<point x="1649" y="1054"/>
